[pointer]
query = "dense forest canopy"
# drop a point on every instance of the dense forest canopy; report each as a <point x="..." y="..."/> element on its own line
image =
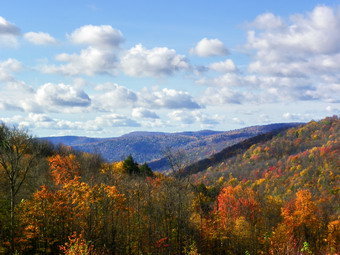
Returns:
<point x="280" y="196"/>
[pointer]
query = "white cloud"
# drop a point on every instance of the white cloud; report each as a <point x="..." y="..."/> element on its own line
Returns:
<point x="8" y="33"/>
<point x="209" y="48"/>
<point x="220" y="96"/>
<point x="332" y="110"/>
<point x="113" y="96"/>
<point x="7" y="67"/>
<point x="144" y="113"/>
<point x="13" y="120"/>
<point x="238" y="121"/>
<point x="296" y="116"/>
<point x="297" y="59"/>
<point x="39" y="117"/>
<point x="226" y="80"/>
<point x="19" y="87"/>
<point x="224" y="66"/>
<point x="8" y="106"/>
<point x="43" y="121"/>
<point x="190" y="117"/>
<point x="182" y="116"/>
<point x="168" y="98"/>
<point x="238" y="88"/>
<point x="99" y="36"/>
<point x="17" y="96"/>
<point x="292" y="60"/>
<point x="140" y="61"/>
<point x="267" y="21"/>
<point x="115" y="120"/>
<point x="90" y="61"/>
<point x="7" y="28"/>
<point x="314" y="33"/>
<point x="327" y="92"/>
<point x="39" y="38"/>
<point x="98" y="58"/>
<point x="61" y="95"/>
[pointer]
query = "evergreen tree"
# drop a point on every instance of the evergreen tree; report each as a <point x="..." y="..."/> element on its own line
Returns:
<point x="130" y="166"/>
<point x="145" y="170"/>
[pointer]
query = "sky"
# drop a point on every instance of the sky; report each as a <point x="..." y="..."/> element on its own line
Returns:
<point x="105" y="68"/>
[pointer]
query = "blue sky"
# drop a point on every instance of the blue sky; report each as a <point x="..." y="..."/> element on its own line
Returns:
<point x="105" y="68"/>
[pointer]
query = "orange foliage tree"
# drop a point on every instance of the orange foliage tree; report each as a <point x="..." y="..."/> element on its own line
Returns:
<point x="301" y="224"/>
<point x="52" y="215"/>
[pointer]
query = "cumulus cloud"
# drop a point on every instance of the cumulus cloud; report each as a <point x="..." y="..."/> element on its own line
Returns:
<point x="7" y="67"/>
<point x="190" y="117"/>
<point x="292" y="59"/>
<point x="7" y="28"/>
<point x="296" y="116"/>
<point x="144" y="113"/>
<point x="168" y="98"/>
<point x="314" y="33"/>
<point x="8" y="33"/>
<point x="297" y="58"/>
<point x="39" y="118"/>
<point x="98" y="58"/>
<point x="43" y="121"/>
<point x="238" y="121"/>
<point x="140" y="61"/>
<point x="8" y="106"/>
<point x="220" y="96"/>
<point x="268" y="21"/>
<point x="223" y="66"/>
<point x="209" y="48"/>
<point x="90" y="61"/>
<point x="61" y="95"/>
<point x="230" y="80"/>
<point x="238" y="88"/>
<point x="115" y="120"/>
<point x="17" y="96"/>
<point x="113" y="96"/>
<point x="103" y="36"/>
<point x="327" y="92"/>
<point x="39" y="38"/>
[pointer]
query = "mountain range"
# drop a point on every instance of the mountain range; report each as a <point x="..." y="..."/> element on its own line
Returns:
<point x="152" y="147"/>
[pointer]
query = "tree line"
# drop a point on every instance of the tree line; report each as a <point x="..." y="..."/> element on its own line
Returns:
<point x="278" y="197"/>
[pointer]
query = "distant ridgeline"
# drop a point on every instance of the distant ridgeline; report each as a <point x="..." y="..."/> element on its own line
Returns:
<point x="152" y="147"/>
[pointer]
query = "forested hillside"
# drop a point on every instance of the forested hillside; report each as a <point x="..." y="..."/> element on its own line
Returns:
<point x="278" y="196"/>
<point x="153" y="146"/>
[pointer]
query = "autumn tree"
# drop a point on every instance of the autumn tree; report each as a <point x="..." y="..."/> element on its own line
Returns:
<point x="53" y="214"/>
<point x="238" y="210"/>
<point x="64" y="168"/>
<point x="301" y="223"/>
<point x="18" y="155"/>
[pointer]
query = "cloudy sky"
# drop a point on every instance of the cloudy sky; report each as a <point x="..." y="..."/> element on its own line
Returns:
<point x="104" y="68"/>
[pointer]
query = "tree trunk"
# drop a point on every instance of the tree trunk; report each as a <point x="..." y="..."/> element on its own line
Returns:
<point x="12" y="195"/>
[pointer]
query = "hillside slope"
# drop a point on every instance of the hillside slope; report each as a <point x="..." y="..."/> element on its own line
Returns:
<point x="228" y="152"/>
<point x="301" y="157"/>
<point x="150" y="146"/>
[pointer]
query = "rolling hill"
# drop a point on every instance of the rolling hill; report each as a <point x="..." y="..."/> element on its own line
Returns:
<point x="151" y="146"/>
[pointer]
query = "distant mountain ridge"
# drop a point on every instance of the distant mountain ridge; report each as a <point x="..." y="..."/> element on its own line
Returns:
<point x="150" y="146"/>
<point x="229" y="152"/>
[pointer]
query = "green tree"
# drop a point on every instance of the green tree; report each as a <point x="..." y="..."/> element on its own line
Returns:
<point x="145" y="170"/>
<point x="130" y="166"/>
